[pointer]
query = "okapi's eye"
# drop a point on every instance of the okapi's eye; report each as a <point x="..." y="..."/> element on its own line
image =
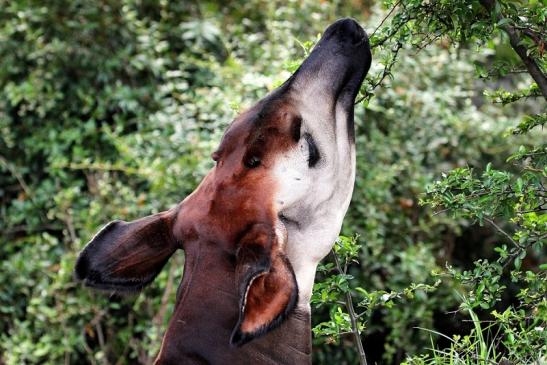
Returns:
<point x="252" y="162"/>
<point x="295" y="128"/>
<point x="313" y="151"/>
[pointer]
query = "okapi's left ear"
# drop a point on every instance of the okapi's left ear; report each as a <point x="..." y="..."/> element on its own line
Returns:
<point x="127" y="255"/>
<point x="266" y="284"/>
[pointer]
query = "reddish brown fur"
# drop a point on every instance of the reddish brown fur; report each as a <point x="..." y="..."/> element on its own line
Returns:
<point x="232" y="213"/>
<point x="237" y="281"/>
<point x="233" y="208"/>
<point x="233" y="197"/>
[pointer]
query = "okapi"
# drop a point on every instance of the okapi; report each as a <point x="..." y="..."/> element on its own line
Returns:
<point x="258" y="224"/>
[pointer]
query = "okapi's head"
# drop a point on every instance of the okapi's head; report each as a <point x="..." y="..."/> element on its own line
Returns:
<point x="268" y="211"/>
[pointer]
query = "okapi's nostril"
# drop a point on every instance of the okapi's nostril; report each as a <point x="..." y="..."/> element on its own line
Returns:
<point x="349" y="29"/>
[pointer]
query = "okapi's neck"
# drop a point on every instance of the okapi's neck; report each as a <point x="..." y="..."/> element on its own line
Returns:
<point x="207" y="311"/>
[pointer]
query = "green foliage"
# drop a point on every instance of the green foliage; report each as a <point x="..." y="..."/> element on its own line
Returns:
<point x="506" y="97"/>
<point x="529" y="122"/>
<point x="111" y="109"/>
<point x="411" y="136"/>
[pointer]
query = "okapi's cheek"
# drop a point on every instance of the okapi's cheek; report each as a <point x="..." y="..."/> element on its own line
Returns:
<point x="292" y="177"/>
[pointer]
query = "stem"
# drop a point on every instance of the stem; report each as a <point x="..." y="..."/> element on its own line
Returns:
<point x="160" y="316"/>
<point x="17" y="175"/>
<point x="385" y="18"/>
<point x="353" y="318"/>
<point x="385" y="73"/>
<point x="500" y="230"/>
<point x="26" y="189"/>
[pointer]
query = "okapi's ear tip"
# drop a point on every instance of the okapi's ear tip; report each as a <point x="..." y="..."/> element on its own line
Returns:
<point x="83" y="272"/>
<point x="81" y="269"/>
<point x="238" y="339"/>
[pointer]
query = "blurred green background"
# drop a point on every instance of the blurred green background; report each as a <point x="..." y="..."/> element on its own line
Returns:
<point x="110" y="110"/>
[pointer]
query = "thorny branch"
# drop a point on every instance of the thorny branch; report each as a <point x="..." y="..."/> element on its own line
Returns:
<point x="385" y="73"/>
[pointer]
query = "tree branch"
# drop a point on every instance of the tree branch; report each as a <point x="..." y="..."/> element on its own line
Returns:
<point x="514" y="39"/>
<point x="17" y="176"/>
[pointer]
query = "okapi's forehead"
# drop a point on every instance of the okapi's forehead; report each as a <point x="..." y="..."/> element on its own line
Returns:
<point x="270" y="127"/>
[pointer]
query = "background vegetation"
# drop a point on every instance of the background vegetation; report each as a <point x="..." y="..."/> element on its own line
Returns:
<point x="110" y="109"/>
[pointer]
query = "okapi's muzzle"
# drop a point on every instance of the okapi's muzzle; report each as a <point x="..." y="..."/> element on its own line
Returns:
<point x="256" y="227"/>
<point x="337" y="65"/>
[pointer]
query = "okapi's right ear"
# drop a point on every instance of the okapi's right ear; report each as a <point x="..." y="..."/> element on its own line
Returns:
<point x="266" y="284"/>
<point x="127" y="255"/>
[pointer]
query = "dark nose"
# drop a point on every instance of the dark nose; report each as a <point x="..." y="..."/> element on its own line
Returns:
<point x="346" y="29"/>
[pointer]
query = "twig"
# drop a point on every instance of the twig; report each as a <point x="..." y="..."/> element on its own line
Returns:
<point x="70" y="227"/>
<point x="427" y="42"/>
<point x="500" y="230"/>
<point x="17" y="175"/>
<point x="160" y="316"/>
<point x="392" y="33"/>
<point x="100" y="337"/>
<point x="353" y="318"/>
<point x="385" y="18"/>
<point x="27" y="229"/>
<point x="96" y="322"/>
<point x="123" y="357"/>
<point x="98" y="166"/>
<point x="385" y="73"/>
<point x="26" y="189"/>
<point x="88" y="349"/>
<point x="440" y="212"/>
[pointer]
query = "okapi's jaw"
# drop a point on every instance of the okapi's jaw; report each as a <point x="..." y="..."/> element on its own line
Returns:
<point x="258" y="224"/>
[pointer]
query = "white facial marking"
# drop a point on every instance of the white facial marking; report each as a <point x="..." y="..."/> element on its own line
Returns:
<point x="314" y="200"/>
